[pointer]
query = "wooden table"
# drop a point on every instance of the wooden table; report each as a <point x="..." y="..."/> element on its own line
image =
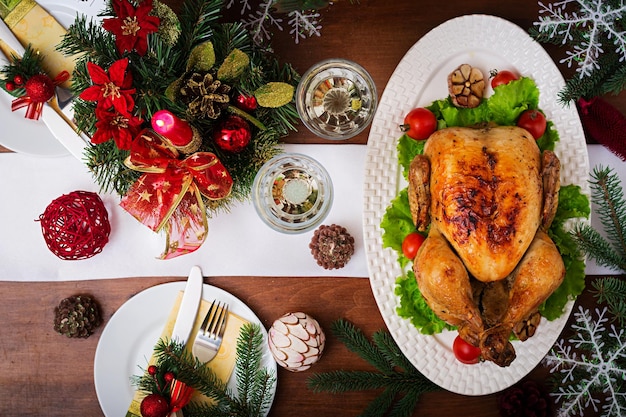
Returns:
<point x="44" y="373"/>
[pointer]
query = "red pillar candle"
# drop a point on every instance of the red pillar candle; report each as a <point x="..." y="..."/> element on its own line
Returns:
<point x="178" y="131"/>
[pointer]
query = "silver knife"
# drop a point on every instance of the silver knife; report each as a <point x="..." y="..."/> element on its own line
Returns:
<point x="188" y="306"/>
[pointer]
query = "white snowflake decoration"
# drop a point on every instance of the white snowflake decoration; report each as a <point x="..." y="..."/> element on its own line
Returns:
<point x="594" y="16"/>
<point x="603" y="383"/>
<point x="303" y="23"/>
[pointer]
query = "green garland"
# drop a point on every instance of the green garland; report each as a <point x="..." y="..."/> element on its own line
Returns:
<point x="169" y="52"/>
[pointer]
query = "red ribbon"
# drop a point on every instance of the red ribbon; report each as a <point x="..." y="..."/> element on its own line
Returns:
<point x="180" y="394"/>
<point x="34" y="108"/>
<point x="168" y="196"/>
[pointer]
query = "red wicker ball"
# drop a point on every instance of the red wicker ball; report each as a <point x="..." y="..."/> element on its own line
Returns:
<point x="76" y="225"/>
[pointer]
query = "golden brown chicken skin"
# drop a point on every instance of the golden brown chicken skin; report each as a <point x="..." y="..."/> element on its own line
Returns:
<point x="487" y="263"/>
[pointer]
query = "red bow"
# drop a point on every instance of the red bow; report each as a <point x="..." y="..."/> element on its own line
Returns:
<point x="180" y="395"/>
<point x="34" y="108"/>
<point x="169" y="193"/>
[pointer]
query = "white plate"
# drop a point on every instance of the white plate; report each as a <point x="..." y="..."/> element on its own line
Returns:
<point x="488" y="43"/>
<point x="29" y="136"/>
<point x="128" y="340"/>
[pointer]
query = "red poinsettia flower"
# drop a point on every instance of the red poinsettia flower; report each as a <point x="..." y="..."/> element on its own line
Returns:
<point x="112" y="89"/>
<point x="132" y="25"/>
<point x="121" y="127"/>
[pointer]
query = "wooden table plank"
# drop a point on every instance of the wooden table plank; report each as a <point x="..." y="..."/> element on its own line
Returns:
<point x="45" y="373"/>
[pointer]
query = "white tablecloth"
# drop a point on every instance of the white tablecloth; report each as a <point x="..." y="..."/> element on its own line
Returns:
<point x="238" y="242"/>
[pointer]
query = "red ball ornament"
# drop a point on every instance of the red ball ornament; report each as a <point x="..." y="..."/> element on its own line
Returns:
<point x="76" y="225"/>
<point x="18" y="79"/>
<point x="246" y="103"/>
<point x="233" y="134"/>
<point x="152" y="370"/>
<point x="39" y="88"/>
<point x="154" y="405"/>
<point x="9" y="86"/>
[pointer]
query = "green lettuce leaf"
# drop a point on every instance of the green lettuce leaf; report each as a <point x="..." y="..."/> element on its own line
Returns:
<point x="396" y="224"/>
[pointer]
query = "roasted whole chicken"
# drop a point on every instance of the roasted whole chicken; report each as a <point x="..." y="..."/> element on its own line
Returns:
<point x="487" y="197"/>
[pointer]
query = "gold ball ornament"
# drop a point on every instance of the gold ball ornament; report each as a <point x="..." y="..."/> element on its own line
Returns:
<point x="296" y="341"/>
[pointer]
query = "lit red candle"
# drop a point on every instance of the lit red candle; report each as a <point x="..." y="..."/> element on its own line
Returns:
<point x="178" y="131"/>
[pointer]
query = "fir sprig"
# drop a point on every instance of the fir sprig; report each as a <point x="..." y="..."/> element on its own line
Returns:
<point x="612" y="290"/>
<point x="402" y="384"/>
<point x="607" y="193"/>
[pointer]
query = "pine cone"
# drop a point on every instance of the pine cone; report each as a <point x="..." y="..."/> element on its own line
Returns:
<point x="205" y="96"/>
<point x="77" y="316"/>
<point x="332" y="246"/>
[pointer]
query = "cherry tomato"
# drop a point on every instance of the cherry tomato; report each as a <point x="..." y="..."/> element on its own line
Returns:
<point x="411" y="244"/>
<point x="502" y="77"/>
<point x="465" y="352"/>
<point x="534" y="121"/>
<point x="419" y="123"/>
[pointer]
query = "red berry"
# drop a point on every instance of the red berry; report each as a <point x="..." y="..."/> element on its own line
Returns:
<point x="152" y="370"/>
<point x="9" y="86"/>
<point x="168" y="377"/>
<point x="18" y="79"/>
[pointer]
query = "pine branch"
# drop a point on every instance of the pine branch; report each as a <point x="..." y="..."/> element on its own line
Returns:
<point x="402" y="383"/>
<point x="383" y="402"/>
<point x="608" y="195"/>
<point x="355" y="340"/>
<point x="607" y="78"/>
<point x="172" y="355"/>
<point x="612" y="290"/>
<point x="104" y="163"/>
<point x="591" y="242"/>
<point x="254" y="383"/>
<point x="607" y="189"/>
<point x="389" y="349"/>
<point x="197" y="20"/>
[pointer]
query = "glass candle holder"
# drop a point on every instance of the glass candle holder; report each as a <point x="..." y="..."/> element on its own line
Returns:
<point x="336" y="99"/>
<point x="292" y="193"/>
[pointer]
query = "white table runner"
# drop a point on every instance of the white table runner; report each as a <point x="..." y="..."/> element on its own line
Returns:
<point x="238" y="242"/>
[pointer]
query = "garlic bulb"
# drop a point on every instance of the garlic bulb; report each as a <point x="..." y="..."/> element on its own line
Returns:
<point x="296" y="341"/>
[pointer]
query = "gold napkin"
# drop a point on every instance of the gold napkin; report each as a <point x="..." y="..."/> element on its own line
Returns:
<point x="224" y="362"/>
<point x="32" y="24"/>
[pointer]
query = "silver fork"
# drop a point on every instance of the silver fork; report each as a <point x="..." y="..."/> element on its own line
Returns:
<point x="209" y="337"/>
